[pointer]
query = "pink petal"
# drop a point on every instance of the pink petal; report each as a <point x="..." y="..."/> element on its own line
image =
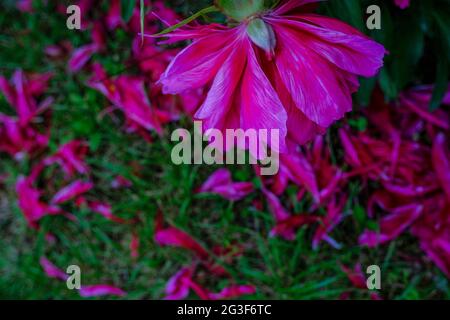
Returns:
<point x="71" y="157"/>
<point x="318" y="89"/>
<point x="72" y="191"/>
<point x="175" y="237"/>
<point x="25" y="104"/>
<point x="105" y="210"/>
<point x="402" y="4"/>
<point x="134" y="246"/>
<point x="220" y="183"/>
<point x="114" y="15"/>
<point x="178" y="286"/>
<point x="392" y="225"/>
<point x="261" y="107"/>
<point x="441" y="162"/>
<point x="30" y="202"/>
<point x="350" y="151"/>
<point x="356" y="276"/>
<point x="338" y="43"/>
<point x="301" y="172"/>
<point x="275" y="206"/>
<point x="328" y="223"/>
<point x="233" y="292"/>
<point x="38" y="83"/>
<point x="81" y="56"/>
<point x="100" y="290"/>
<point x="51" y="270"/>
<point x="287" y="228"/>
<point x="25" y="5"/>
<point x="197" y="64"/>
<point x="120" y="182"/>
<point x="290" y="5"/>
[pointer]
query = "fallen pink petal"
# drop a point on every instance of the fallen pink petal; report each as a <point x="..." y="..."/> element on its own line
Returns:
<point x="101" y="290"/>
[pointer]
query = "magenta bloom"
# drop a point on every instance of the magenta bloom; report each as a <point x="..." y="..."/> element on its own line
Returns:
<point x="294" y="72"/>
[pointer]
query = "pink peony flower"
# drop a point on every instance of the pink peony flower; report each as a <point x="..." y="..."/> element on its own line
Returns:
<point x="294" y="72"/>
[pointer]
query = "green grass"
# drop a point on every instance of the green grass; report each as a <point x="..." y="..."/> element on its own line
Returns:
<point x="279" y="269"/>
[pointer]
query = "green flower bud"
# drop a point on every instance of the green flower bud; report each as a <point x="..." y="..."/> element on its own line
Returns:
<point x="240" y="9"/>
<point x="262" y="35"/>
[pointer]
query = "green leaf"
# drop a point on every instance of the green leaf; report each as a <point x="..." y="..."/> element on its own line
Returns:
<point x="188" y="20"/>
<point x="387" y="85"/>
<point x="441" y="84"/>
<point x="262" y="34"/>
<point x="360" y="215"/>
<point x="407" y="51"/>
<point x="365" y="90"/>
<point x="127" y="9"/>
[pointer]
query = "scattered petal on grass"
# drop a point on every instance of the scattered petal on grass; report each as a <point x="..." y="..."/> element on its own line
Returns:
<point x="51" y="270"/>
<point x="392" y="225"/>
<point x="233" y="292"/>
<point x="72" y="191"/>
<point x="100" y="290"/>
<point x="221" y="183"/>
